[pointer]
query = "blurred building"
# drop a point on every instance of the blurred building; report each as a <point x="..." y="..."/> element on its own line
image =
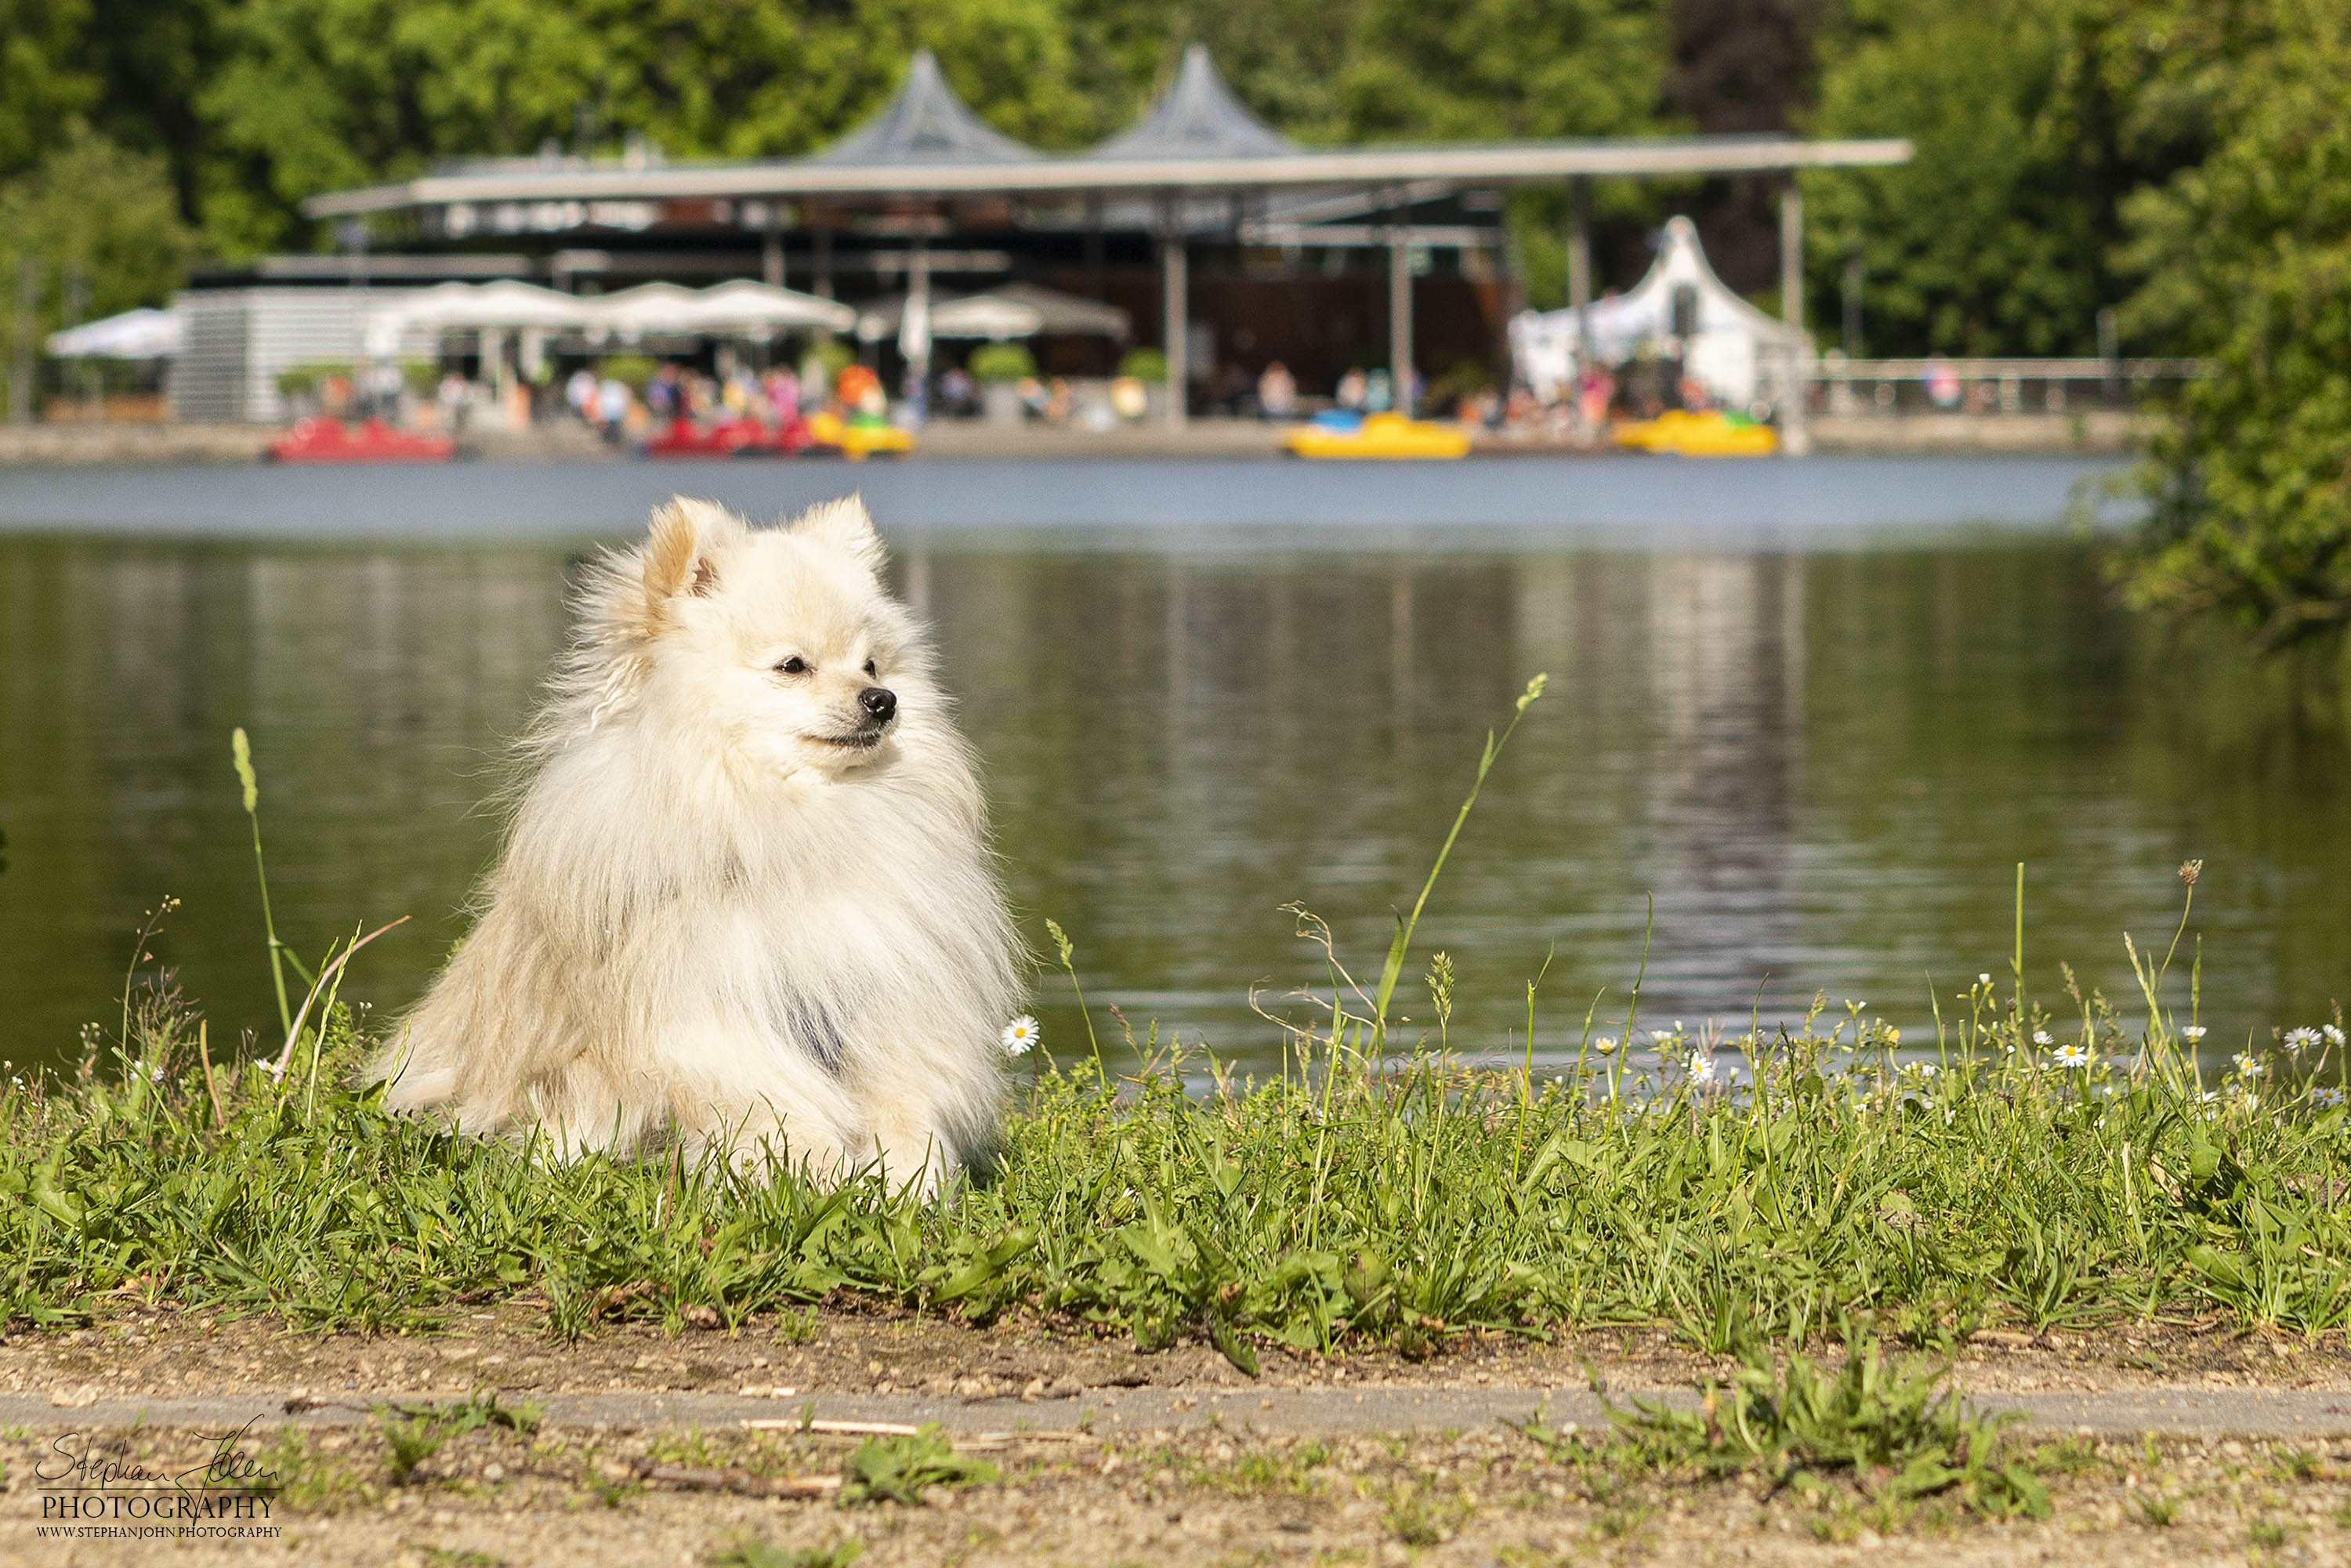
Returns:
<point x="1227" y="245"/>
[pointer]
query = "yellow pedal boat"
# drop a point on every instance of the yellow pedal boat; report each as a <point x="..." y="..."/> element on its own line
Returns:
<point x="1379" y="436"/>
<point x="1698" y="436"/>
<point x="860" y="439"/>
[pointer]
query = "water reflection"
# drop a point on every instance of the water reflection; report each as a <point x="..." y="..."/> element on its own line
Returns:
<point x="1822" y="765"/>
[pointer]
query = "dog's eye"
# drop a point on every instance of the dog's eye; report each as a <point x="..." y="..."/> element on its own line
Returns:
<point x="871" y="672"/>
<point x="795" y="665"/>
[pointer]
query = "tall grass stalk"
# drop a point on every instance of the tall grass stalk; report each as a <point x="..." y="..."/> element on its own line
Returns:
<point x="241" y="753"/>
<point x="1403" y="942"/>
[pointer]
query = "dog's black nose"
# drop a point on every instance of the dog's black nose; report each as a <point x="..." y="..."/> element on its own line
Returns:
<point x="879" y="702"/>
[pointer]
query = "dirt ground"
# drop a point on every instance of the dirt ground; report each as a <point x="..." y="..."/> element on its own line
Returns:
<point x="1207" y="1499"/>
<point x="600" y="1496"/>
<point x="167" y="1353"/>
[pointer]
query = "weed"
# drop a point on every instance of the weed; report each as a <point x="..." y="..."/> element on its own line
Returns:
<point x="309" y="1479"/>
<point x="1417" y="1516"/>
<point x="410" y="1440"/>
<point x="755" y="1554"/>
<point x="1894" y="1430"/>
<point x="2161" y="1511"/>
<point x="447" y="1557"/>
<point x="897" y="1468"/>
<point x="2266" y="1532"/>
<point x="1266" y="1472"/>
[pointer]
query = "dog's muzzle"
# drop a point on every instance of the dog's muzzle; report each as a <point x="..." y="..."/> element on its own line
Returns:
<point x="876" y="706"/>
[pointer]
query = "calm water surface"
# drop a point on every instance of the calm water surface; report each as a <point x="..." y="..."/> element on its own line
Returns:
<point x="1816" y="711"/>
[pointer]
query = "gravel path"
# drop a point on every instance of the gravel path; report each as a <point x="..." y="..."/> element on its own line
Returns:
<point x="2308" y="1413"/>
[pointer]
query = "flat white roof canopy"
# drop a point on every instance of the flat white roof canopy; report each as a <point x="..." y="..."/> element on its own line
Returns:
<point x="927" y="141"/>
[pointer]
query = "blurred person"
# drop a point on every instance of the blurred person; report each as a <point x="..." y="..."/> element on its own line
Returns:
<point x="449" y="400"/>
<point x="579" y="392"/>
<point x="612" y="400"/>
<point x="816" y="382"/>
<point x="1354" y="391"/>
<point x="1595" y="391"/>
<point x="661" y="394"/>
<point x="1277" y="391"/>
<point x="783" y="390"/>
<point x="958" y="394"/>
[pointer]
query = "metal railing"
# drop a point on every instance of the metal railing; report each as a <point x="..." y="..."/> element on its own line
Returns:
<point x="1859" y="388"/>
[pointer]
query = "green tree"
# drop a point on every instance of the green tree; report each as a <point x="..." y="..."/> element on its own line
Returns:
<point x="316" y="94"/>
<point x="45" y="79"/>
<point x="93" y="210"/>
<point x="2247" y="256"/>
<point x="1981" y="244"/>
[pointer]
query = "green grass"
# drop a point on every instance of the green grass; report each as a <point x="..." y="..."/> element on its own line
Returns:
<point x="1358" y="1202"/>
<point x="1796" y="1185"/>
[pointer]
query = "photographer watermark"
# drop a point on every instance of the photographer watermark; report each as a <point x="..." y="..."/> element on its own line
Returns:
<point x="91" y="1490"/>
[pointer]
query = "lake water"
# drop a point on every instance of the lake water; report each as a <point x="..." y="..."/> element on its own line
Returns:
<point x="1817" y="710"/>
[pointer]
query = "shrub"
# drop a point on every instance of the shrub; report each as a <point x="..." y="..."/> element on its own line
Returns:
<point x="1001" y="362"/>
<point x="631" y="370"/>
<point x="1145" y="365"/>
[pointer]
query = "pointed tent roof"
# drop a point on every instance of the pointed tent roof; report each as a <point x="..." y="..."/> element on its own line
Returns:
<point x="925" y="122"/>
<point x="1198" y="117"/>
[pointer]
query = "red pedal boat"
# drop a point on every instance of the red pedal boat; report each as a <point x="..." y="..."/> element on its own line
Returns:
<point x="730" y="438"/>
<point x="320" y="440"/>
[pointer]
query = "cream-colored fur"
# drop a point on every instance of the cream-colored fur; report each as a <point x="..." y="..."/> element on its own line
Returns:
<point x="726" y="914"/>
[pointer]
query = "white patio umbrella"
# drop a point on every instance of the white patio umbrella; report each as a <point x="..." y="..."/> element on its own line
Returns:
<point x="505" y="305"/>
<point x="971" y="316"/>
<point x="659" y="308"/>
<point x="744" y="306"/>
<point x="141" y="334"/>
<point x="986" y="316"/>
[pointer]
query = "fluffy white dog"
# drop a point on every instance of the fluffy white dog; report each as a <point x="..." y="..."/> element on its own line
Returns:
<point x="747" y="899"/>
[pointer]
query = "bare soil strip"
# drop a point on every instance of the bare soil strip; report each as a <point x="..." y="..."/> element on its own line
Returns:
<point x="2178" y="1442"/>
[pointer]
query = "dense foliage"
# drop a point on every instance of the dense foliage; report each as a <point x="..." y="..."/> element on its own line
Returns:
<point x="2248" y="260"/>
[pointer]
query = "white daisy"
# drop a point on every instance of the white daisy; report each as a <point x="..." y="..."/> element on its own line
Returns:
<point x="2325" y="1097"/>
<point x="2194" y="1032"/>
<point x="1604" y="1044"/>
<point x="1984" y="978"/>
<point x="2073" y="1054"/>
<point x="2333" y="1035"/>
<point x="2246" y="1064"/>
<point x="2298" y="1040"/>
<point x="2042" y="1037"/>
<point x="1020" y="1035"/>
<point x="1701" y="1069"/>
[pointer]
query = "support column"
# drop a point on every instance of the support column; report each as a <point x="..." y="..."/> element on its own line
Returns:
<point x="1793" y="437"/>
<point x="1579" y="249"/>
<point x="1579" y="289"/>
<point x="772" y="252"/>
<point x="824" y="262"/>
<point x="1174" y="324"/>
<point x="1400" y="318"/>
<point x="22" y="362"/>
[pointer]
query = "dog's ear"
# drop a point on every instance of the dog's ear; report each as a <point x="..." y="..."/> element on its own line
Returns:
<point x="845" y="526"/>
<point x="680" y="555"/>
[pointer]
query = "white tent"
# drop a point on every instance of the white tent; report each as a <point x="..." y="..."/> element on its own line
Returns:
<point x="1680" y="309"/>
<point x="141" y="334"/>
